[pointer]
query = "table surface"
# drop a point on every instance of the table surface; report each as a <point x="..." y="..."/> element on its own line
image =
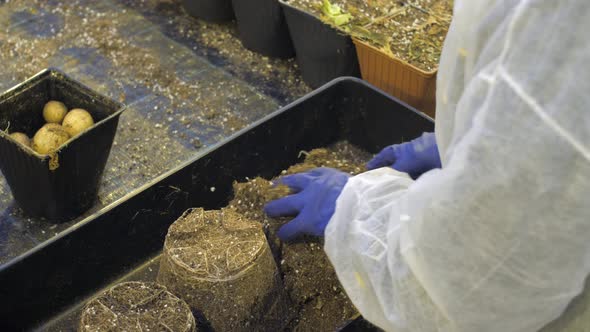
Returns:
<point x="187" y="84"/>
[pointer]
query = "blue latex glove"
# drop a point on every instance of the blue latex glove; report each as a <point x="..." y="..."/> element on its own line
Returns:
<point x="415" y="157"/>
<point x="313" y="203"/>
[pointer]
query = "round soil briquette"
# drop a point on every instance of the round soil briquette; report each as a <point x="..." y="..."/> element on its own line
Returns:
<point x="220" y="263"/>
<point x="137" y="306"/>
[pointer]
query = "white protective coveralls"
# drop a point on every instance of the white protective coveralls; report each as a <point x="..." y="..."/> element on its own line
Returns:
<point x="499" y="238"/>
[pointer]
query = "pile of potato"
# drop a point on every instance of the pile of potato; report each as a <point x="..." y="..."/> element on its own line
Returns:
<point x="60" y="127"/>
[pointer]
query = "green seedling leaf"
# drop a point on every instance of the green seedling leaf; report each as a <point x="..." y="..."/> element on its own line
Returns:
<point x="342" y="19"/>
<point x="335" y="14"/>
<point x="330" y="9"/>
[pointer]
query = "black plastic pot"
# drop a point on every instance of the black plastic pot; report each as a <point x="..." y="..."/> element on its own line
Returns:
<point x="210" y="10"/>
<point x="263" y="28"/>
<point x="323" y="53"/>
<point x="45" y="287"/>
<point x="70" y="189"/>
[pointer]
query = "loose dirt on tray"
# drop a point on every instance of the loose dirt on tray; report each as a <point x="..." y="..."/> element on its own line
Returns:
<point x="411" y="30"/>
<point x="318" y="301"/>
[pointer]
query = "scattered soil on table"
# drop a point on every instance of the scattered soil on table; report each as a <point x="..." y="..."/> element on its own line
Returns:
<point x="137" y="306"/>
<point x="129" y="50"/>
<point x="319" y="302"/>
<point x="106" y="30"/>
<point x="220" y="263"/>
<point x="223" y="40"/>
<point x="410" y="30"/>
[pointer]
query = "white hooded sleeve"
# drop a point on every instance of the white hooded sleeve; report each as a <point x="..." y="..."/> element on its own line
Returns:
<point x="499" y="238"/>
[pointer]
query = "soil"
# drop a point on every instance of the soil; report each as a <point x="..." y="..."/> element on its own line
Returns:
<point x="137" y="306"/>
<point x="318" y="301"/>
<point x="220" y="263"/>
<point x="410" y="30"/>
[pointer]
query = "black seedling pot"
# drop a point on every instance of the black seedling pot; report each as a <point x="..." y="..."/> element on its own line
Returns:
<point x="263" y="28"/>
<point x="323" y="53"/>
<point x="64" y="184"/>
<point x="210" y="10"/>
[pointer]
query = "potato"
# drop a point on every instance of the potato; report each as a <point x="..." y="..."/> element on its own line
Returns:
<point x="76" y="121"/>
<point x="49" y="138"/>
<point x="21" y="138"/>
<point x="54" y="111"/>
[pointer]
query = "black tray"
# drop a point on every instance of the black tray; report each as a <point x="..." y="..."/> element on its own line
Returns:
<point x="263" y="28"/>
<point x="210" y="10"/>
<point x="323" y="53"/>
<point x="44" y="284"/>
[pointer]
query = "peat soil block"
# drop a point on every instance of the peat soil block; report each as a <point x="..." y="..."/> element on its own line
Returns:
<point x="137" y="306"/>
<point x="220" y="263"/>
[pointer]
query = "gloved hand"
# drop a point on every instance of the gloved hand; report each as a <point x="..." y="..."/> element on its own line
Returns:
<point x="313" y="203"/>
<point x="415" y="157"/>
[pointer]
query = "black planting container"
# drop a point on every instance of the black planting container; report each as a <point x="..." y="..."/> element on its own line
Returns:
<point x="262" y="27"/>
<point x="323" y="53"/>
<point x="71" y="189"/>
<point x="210" y="10"/>
<point x="48" y="284"/>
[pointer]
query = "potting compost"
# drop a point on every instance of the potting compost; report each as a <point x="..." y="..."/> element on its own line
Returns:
<point x="220" y="263"/>
<point x="137" y="306"/>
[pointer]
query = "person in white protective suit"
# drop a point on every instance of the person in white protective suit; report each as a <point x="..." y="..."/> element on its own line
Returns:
<point x="498" y="237"/>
